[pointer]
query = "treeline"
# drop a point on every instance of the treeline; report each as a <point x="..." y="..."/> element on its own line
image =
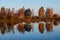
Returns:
<point x="23" y="14"/>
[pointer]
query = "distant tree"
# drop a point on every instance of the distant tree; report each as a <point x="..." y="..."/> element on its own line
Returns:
<point x="27" y="13"/>
<point x="21" y="13"/>
<point x="49" y="13"/>
<point x="41" y="13"/>
<point x="56" y="16"/>
<point x="2" y="13"/>
<point x="10" y="14"/>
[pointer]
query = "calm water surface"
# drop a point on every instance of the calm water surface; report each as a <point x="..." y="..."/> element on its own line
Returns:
<point x="30" y="31"/>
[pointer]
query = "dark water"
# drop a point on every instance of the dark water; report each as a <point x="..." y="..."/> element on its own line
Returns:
<point x="30" y="31"/>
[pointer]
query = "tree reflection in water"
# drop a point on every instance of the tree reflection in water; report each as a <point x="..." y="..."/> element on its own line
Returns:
<point x="27" y="27"/>
<point x="41" y="27"/>
<point x="56" y="23"/>
<point x="22" y="27"/>
<point x="10" y="27"/>
<point x="2" y="28"/>
<point x="49" y="26"/>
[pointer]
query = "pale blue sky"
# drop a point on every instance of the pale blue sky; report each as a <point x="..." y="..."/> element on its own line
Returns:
<point x="35" y="4"/>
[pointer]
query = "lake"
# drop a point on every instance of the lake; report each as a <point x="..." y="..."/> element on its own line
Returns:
<point x="30" y="31"/>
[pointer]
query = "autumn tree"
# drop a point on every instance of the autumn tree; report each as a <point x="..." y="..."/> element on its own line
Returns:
<point x="21" y="13"/>
<point x="27" y="13"/>
<point x="49" y="13"/>
<point x="56" y="17"/>
<point x="2" y="13"/>
<point x="41" y="13"/>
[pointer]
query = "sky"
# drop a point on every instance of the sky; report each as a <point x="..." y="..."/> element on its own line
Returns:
<point x="32" y="4"/>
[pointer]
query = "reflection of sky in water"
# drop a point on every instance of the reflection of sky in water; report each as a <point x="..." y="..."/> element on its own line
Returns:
<point x="32" y="35"/>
